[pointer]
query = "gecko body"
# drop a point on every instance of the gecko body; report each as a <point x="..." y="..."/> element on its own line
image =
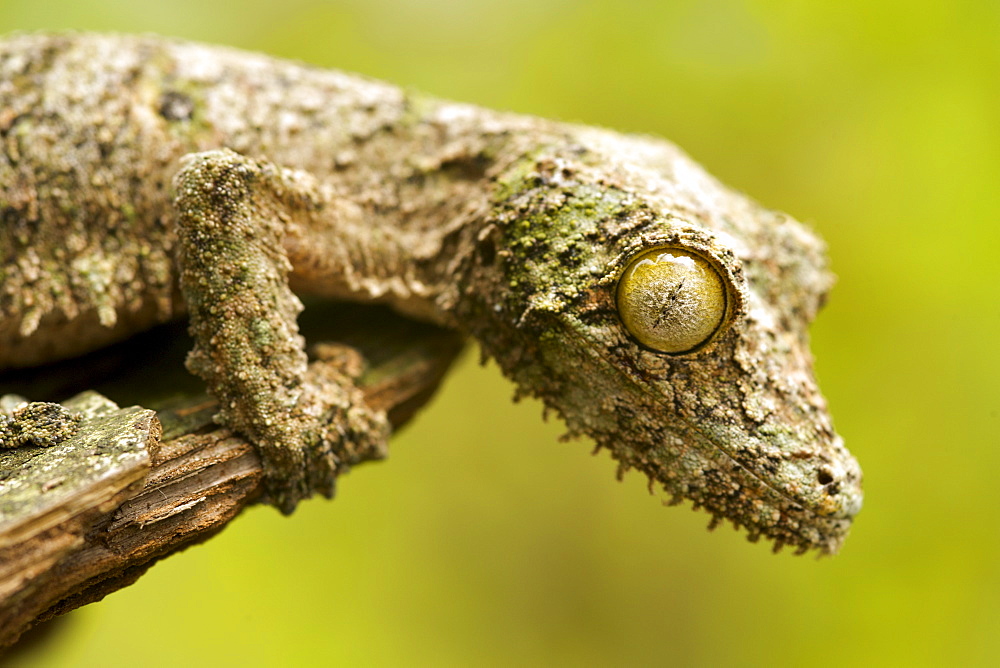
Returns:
<point x="657" y="311"/>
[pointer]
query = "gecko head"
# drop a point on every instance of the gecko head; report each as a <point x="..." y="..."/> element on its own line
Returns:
<point x="666" y="317"/>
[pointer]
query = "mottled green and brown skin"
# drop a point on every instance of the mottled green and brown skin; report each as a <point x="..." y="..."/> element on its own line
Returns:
<point x="142" y="179"/>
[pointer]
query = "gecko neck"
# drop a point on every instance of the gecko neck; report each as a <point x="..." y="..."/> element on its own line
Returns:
<point x="404" y="233"/>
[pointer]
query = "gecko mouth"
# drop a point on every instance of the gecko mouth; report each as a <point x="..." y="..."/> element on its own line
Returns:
<point x="844" y="487"/>
<point x="844" y="511"/>
<point x="812" y="519"/>
<point x="769" y="511"/>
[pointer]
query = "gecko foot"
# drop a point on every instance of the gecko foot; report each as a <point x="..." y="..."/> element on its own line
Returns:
<point x="335" y="430"/>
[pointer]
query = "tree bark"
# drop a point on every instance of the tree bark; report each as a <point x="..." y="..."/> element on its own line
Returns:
<point x="89" y="516"/>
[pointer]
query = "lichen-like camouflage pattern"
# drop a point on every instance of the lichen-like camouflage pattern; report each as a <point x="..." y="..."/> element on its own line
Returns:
<point x="119" y="210"/>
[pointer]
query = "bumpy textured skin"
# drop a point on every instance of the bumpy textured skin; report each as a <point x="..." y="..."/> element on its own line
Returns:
<point x="512" y="229"/>
<point x="37" y="423"/>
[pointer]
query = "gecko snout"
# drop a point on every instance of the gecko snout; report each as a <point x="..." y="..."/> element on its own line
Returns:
<point x="838" y="485"/>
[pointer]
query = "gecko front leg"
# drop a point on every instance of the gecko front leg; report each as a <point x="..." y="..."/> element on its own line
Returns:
<point x="307" y="423"/>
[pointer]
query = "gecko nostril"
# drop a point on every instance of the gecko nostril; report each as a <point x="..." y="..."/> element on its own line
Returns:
<point x="824" y="477"/>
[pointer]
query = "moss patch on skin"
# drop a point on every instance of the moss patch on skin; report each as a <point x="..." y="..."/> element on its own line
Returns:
<point x="549" y="230"/>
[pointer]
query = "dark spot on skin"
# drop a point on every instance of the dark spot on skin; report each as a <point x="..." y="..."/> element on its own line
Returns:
<point x="591" y="314"/>
<point x="472" y="167"/>
<point x="9" y="124"/>
<point x="824" y="477"/>
<point x="771" y="463"/>
<point x="487" y="252"/>
<point x="570" y="256"/>
<point x="175" y="106"/>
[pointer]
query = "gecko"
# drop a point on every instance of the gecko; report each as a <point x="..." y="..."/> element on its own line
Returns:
<point x="658" y="312"/>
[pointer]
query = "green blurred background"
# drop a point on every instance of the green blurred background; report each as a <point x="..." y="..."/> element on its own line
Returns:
<point x="485" y="541"/>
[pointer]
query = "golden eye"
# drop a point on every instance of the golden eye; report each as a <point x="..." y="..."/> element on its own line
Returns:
<point x="671" y="300"/>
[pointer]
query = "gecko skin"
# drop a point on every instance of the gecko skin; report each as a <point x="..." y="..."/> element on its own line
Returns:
<point x="657" y="311"/>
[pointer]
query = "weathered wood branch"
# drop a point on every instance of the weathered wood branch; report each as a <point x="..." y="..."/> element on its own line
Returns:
<point x="85" y="518"/>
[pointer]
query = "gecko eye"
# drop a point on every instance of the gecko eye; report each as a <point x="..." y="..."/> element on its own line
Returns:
<point x="671" y="300"/>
